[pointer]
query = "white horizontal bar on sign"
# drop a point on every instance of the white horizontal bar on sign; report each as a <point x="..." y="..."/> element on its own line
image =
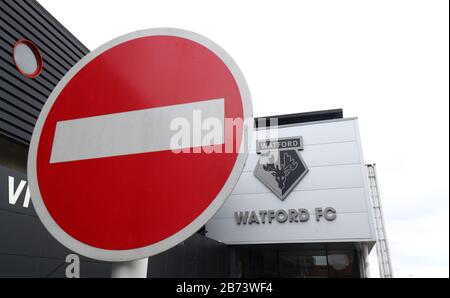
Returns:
<point x="134" y="132"/>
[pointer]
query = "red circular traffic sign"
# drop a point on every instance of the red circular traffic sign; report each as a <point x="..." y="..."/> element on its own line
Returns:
<point x="104" y="179"/>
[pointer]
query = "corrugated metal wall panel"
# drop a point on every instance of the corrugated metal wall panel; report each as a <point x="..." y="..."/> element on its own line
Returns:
<point x="26" y="248"/>
<point x="21" y="98"/>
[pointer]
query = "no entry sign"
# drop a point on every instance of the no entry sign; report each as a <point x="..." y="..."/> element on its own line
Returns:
<point x="104" y="178"/>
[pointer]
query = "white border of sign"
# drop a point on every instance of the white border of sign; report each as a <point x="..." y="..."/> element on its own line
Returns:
<point x="189" y="230"/>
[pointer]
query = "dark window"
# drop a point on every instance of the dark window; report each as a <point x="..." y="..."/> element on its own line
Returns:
<point x="342" y="263"/>
<point x="296" y="261"/>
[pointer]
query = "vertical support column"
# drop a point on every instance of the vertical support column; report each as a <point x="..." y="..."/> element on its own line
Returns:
<point x="132" y="269"/>
<point x="365" y="259"/>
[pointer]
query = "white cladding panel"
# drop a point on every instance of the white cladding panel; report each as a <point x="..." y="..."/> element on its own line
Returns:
<point x="336" y="178"/>
<point x="351" y="227"/>
<point x="323" y="177"/>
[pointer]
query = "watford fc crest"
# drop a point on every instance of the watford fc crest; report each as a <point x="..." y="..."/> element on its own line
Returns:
<point x="280" y="166"/>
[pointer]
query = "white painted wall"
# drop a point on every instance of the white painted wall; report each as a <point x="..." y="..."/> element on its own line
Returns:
<point x="332" y="152"/>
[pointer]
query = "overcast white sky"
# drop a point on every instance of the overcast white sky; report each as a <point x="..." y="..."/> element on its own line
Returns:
<point x="386" y="62"/>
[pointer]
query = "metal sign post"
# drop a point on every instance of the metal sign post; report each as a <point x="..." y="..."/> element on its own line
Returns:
<point x="131" y="269"/>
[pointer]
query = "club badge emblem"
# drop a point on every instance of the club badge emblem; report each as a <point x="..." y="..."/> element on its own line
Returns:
<point x="280" y="166"/>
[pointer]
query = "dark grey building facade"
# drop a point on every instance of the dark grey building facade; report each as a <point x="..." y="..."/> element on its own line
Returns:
<point x="26" y="248"/>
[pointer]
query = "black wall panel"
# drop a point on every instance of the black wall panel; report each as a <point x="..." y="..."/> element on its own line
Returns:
<point x="26" y="248"/>
<point x="22" y="98"/>
<point x="197" y="257"/>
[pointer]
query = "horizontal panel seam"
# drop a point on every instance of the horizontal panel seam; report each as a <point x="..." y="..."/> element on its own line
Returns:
<point x="23" y="101"/>
<point x="302" y="190"/>
<point x="257" y="210"/>
<point x="321" y="166"/>
<point x="77" y="53"/>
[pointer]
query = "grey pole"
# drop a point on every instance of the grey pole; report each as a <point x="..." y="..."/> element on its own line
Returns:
<point x="132" y="269"/>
